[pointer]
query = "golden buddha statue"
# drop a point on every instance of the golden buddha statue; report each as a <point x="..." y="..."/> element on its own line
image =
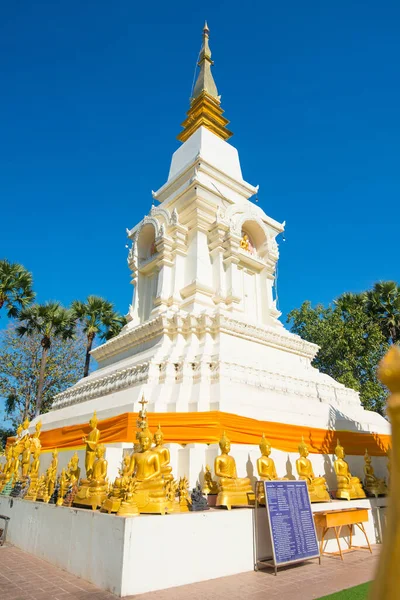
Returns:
<point x="91" y="442"/>
<point x="113" y="501"/>
<point x="35" y="439"/>
<point x="232" y="490"/>
<point x="265" y="465"/>
<point x="93" y="492"/>
<point x="373" y="486"/>
<point x="73" y="469"/>
<point x="7" y="468"/>
<point x="45" y="493"/>
<point x="33" y="475"/>
<point x="317" y="487"/>
<point x="15" y="466"/>
<point x="26" y="458"/>
<point x="63" y="487"/>
<point x="349" y="487"/>
<point x="386" y="583"/>
<point x="209" y="486"/>
<point x="145" y="466"/>
<point x="165" y="457"/>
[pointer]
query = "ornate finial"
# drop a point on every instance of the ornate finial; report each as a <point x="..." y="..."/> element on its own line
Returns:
<point x="338" y="446"/>
<point x="302" y="445"/>
<point x="141" y="422"/>
<point x="205" y="107"/>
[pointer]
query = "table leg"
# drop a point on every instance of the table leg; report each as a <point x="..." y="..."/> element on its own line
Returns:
<point x="337" y="539"/>
<point x="351" y="536"/>
<point x="361" y="526"/>
<point x="321" y="546"/>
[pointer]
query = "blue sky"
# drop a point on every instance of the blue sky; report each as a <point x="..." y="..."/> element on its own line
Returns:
<point x="92" y="97"/>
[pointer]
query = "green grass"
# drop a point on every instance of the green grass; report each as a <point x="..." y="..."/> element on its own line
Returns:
<point x="360" y="592"/>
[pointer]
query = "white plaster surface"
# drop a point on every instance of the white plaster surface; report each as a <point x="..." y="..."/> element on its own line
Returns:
<point x="147" y="553"/>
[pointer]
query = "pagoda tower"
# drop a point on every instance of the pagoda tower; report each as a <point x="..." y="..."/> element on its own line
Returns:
<point x="203" y="331"/>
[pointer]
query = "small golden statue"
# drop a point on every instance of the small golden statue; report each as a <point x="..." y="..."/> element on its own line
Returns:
<point x="35" y="439"/>
<point x="92" y="492"/>
<point x="8" y="467"/>
<point x="26" y="457"/>
<point x="91" y="442"/>
<point x="44" y="493"/>
<point x="232" y="490"/>
<point x="166" y="469"/>
<point x="349" y="487"/>
<point x="184" y="497"/>
<point x="113" y="501"/>
<point x="373" y="486"/>
<point x="34" y="475"/>
<point x="73" y="469"/>
<point x="317" y="487"/>
<point x="386" y="584"/>
<point x="128" y="507"/>
<point x="210" y="486"/>
<point x="246" y="244"/>
<point x="63" y="487"/>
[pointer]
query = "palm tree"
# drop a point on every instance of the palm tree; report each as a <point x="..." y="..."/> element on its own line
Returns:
<point x="49" y="320"/>
<point x="98" y="318"/>
<point x="15" y="287"/>
<point x="383" y="304"/>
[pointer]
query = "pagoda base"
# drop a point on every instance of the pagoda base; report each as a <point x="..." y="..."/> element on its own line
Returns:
<point x="135" y="555"/>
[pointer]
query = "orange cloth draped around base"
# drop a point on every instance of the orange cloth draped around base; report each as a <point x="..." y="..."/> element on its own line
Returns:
<point x="207" y="427"/>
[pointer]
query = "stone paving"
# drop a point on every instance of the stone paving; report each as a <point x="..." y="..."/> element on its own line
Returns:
<point x="24" y="577"/>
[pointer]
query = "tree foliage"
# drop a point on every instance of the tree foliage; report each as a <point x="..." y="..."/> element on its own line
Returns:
<point x="98" y="319"/>
<point x="50" y="321"/>
<point x="20" y="360"/>
<point x="351" y="341"/>
<point x="15" y="287"/>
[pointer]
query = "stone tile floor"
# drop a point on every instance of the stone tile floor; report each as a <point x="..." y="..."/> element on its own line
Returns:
<point x="24" y="577"/>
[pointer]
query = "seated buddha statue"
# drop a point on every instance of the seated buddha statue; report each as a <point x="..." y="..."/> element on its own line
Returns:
<point x="317" y="487"/>
<point x="26" y="457"/>
<point x="373" y="486"/>
<point x="266" y="465"/>
<point x="113" y="501"/>
<point x="145" y="467"/>
<point x="44" y="493"/>
<point x="209" y="486"/>
<point x="165" y="457"/>
<point x="73" y="469"/>
<point x="349" y="487"/>
<point x="94" y="491"/>
<point x="232" y="490"/>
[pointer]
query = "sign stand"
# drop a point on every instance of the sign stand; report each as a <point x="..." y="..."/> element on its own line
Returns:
<point x="291" y="523"/>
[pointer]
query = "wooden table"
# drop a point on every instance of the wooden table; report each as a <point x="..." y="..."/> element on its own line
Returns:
<point x="336" y="519"/>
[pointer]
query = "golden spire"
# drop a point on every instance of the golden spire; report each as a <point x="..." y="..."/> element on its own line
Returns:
<point x="205" y="109"/>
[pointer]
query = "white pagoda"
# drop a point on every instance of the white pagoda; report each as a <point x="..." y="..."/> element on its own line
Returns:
<point x="203" y="330"/>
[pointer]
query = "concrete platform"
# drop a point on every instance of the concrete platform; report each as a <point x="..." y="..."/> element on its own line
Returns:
<point x="123" y="555"/>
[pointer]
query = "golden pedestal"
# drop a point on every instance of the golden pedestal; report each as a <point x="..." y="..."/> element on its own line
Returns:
<point x="128" y="509"/>
<point x="234" y="499"/>
<point x="90" y="497"/>
<point x="111" y="504"/>
<point x="354" y="493"/>
<point x="318" y="494"/>
<point x="150" y="503"/>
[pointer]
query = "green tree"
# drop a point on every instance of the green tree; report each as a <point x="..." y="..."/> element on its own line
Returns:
<point x="98" y="319"/>
<point x="15" y="287"/>
<point x="50" y="321"/>
<point x="20" y="360"/>
<point x="382" y="303"/>
<point x="351" y="344"/>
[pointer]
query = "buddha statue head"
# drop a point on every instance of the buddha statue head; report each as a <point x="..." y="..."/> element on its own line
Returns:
<point x="55" y="453"/>
<point x="74" y="460"/>
<point x="100" y="451"/>
<point x="339" y="450"/>
<point x="225" y="444"/>
<point x="367" y="457"/>
<point x="158" y="437"/>
<point x="303" y="448"/>
<point x="19" y="429"/>
<point x="145" y="439"/>
<point x="265" y="446"/>
<point x="25" y="424"/>
<point x="93" y="421"/>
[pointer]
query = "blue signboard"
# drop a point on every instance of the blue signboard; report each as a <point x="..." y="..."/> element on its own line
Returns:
<point x="291" y="521"/>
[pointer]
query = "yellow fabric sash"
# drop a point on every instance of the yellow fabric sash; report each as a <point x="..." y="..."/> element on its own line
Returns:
<point x="207" y="427"/>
